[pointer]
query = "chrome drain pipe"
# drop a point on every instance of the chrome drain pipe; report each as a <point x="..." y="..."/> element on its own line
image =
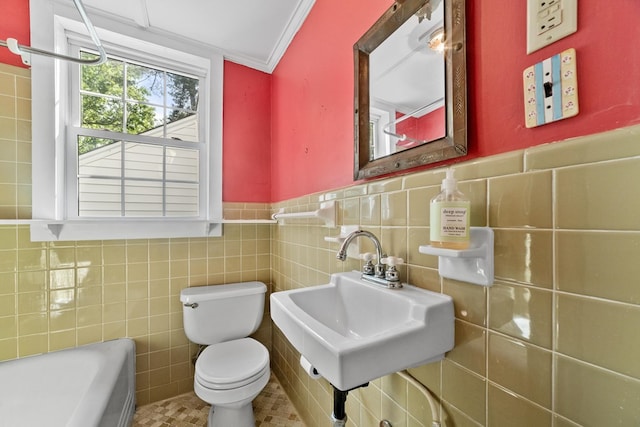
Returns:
<point x="339" y="423"/>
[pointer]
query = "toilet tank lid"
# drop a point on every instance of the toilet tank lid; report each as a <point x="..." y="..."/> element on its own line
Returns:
<point x="209" y="292"/>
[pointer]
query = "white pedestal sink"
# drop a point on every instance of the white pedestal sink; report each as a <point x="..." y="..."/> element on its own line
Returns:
<point x="354" y="331"/>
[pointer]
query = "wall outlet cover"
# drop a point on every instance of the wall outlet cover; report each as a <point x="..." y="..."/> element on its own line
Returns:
<point x="549" y="21"/>
<point x="551" y="89"/>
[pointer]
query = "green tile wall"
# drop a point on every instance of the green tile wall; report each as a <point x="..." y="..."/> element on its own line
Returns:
<point x="553" y="342"/>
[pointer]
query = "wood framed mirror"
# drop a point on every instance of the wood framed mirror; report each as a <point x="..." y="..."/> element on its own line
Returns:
<point x="411" y="88"/>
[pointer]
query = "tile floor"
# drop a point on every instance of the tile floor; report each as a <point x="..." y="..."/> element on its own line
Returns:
<point x="271" y="408"/>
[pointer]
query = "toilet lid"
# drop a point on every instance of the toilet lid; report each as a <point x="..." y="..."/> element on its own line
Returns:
<point x="232" y="364"/>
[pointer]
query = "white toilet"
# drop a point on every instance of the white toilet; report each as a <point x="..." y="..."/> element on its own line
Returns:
<point x="233" y="369"/>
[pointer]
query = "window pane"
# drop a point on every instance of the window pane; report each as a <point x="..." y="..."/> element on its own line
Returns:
<point x="182" y="164"/>
<point x="99" y="112"/>
<point x="99" y="197"/>
<point x="182" y="92"/>
<point x="106" y="78"/>
<point x="143" y="119"/>
<point x="99" y="157"/>
<point x="145" y="84"/>
<point x="90" y="143"/>
<point x="143" y="198"/>
<point x="143" y="161"/>
<point x="182" y="125"/>
<point x="182" y="199"/>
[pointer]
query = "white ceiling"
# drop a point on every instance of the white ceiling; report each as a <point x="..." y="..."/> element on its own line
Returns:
<point x="405" y="72"/>
<point x="255" y="33"/>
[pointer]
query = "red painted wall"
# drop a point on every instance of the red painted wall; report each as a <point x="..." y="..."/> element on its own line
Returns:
<point x="14" y="23"/>
<point x="313" y="91"/>
<point x="247" y="135"/>
<point x="311" y="95"/>
<point x="312" y="107"/>
<point x="429" y="127"/>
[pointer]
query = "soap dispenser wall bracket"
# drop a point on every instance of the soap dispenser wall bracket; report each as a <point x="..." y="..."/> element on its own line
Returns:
<point x="473" y="265"/>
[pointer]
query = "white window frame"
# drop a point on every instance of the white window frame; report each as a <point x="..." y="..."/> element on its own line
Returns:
<point x="53" y="25"/>
<point x="382" y="114"/>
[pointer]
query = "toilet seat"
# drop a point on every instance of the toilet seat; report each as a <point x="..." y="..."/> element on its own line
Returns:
<point x="232" y="398"/>
<point x="232" y="364"/>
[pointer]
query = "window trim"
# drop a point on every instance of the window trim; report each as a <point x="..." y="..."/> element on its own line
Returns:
<point x="52" y="25"/>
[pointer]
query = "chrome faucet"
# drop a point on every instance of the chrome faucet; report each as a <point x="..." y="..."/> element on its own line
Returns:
<point x="379" y="276"/>
<point x="342" y="253"/>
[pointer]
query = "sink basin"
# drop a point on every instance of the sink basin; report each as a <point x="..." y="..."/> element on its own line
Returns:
<point x="353" y="331"/>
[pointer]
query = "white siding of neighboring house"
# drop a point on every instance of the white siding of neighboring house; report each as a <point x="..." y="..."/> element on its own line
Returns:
<point x="100" y="193"/>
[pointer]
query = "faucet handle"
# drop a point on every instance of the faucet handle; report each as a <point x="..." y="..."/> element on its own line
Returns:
<point x="367" y="256"/>
<point x="392" y="273"/>
<point x="392" y="261"/>
<point x="367" y="268"/>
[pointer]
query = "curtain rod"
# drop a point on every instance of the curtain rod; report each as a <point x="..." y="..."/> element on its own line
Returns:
<point x="26" y="51"/>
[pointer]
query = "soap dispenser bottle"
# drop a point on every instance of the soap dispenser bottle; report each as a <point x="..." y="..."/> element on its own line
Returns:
<point x="450" y="213"/>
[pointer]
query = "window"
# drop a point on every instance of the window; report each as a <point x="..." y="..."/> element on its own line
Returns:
<point x="136" y="149"/>
<point x="380" y="143"/>
<point x="137" y="142"/>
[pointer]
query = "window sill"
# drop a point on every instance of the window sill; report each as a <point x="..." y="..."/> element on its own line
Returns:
<point x="248" y="221"/>
<point x="108" y="229"/>
<point x="48" y="230"/>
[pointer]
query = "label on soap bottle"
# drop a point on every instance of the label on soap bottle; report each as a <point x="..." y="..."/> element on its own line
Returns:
<point x="450" y="220"/>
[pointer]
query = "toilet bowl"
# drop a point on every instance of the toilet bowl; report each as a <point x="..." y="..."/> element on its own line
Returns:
<point x="233" y="369"/>
<point x="230" y="375"/>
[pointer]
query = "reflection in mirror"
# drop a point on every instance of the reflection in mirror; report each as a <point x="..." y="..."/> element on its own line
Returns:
<point x="410" y="88"/>
<point x="407" y="84"/>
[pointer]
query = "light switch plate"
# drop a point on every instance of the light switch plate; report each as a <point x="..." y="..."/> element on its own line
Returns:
<point x="551" y="89"/>
<point x="550" y="20"/>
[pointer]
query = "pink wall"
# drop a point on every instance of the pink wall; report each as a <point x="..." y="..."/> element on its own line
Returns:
<point x="313" y="91"/>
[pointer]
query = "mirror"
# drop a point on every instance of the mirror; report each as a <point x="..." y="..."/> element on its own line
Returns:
<point x="410" y="88"/>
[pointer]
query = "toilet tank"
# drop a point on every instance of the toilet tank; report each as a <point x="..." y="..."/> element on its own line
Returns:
<point x="218" y="313"/>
